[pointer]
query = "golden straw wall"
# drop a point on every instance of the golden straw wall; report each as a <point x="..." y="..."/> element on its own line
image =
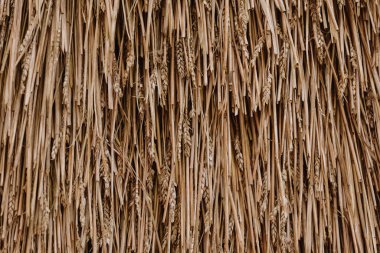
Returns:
<point x="189" y="126"/>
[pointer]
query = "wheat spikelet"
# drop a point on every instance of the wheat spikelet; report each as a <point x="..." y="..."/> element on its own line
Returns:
<point x="179" y="137"/>
<point x="56" y="144"/>
<point x="150" y="180"/>
<point x="12" y="10"/>
<point x="164" y="240"/>
<point x="82" y="206"/>
<point x="78" y="244"/>
<point x="186" y="136"/>
<point x="153" y="79"/>
<point x="207" y="4"/>
<point x="353" y="82"/>
<point x="341" y="4"/>
<point x="163" y="179"/>
<point x="67" y="132"/>
<point x="172" y="202"/>
<point x="216" y="43"/>
<point x="264" y="197"/>
<point x="257" y="49"/>
<point x="164" y="80"/>
<point x="313" y="8"/>
<point x="136" y="197"/>
<point x="121" y="169"/>
<point x="202" y="181"/>
<point x="107" y="223"/>
<point x="25" y="68"/>
<point x="319" y="4"/>
<point x="242" y="28"/>
<point x="130" y="55"/>
<point x="284" y="59"/>
<point x="241" y="40"/>
<point x="105" y="173"/>
<point x="290" y="240"/>
<point x="66" y="85"/>
<point x="353" y="58"/>
<point x="299" y="120"/>
<point x="175" y="236"/>
<point x="293" y="21"/>
<point x="294" y="172"/>
<point x="353" y="85"/>
<point x="157" y="5"/>
<point x="317" y="172"/>
<point x="342" y="86"/>
<point x="273" y="224"/>
<point x="44" y="214"/>
<point x="81" y="92"/>
<point x="49" y="12"/>
<point x="150" y="143"/>
<point x="124" y="78"/>
<point x="27" y="38"/>
<point x="369" y="110"/>
<point x="192" y="239"/>
<point x="332" y="178"/>
<point x="180" y="58"/>
<point x="116" y="77"/>
<point x="210" y="153"/>
<point x="279" y="32"/>
<point x="243" y="16"/>
<point x="145" y="5"/>
<point x="320" y="46"/>
<point x="140" y="99"/>
<point x="230" y="228"/>
<point x="310" y="179"/>
<point x="99" y="231"/>
<point x="226" y="20"/>
<point x="267" y="89"/>
<point x="284" y="178"/>
<point x="238" y="154"/>
<point x="148" y="235"/>
<point x="192" y="62"/>
<point x="2" y="36"/>
<point x="102" y="5"/>
<point x="56" y="42"/>
<point x="319" y="38"/>
<point x="208" y="212"/>
<point x="11" y="207"/>
<point x="283" y="233"/>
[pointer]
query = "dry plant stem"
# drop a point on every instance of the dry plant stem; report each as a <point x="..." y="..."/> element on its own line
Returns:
<point x="189" y="126"/>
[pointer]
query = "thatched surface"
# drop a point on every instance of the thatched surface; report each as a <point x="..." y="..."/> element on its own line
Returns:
<point x="197" y="126"/>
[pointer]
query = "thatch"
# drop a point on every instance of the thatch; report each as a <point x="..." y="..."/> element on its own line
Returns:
<point x="190" y="126"/>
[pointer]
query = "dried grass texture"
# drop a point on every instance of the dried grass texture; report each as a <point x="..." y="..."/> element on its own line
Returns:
<point x="190" y="126"/>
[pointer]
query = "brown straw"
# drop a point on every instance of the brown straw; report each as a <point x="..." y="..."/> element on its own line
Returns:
<point x="190" y="126"/>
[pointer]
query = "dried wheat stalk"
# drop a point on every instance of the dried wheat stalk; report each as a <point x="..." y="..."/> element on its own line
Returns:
<point x="189" y="126"/>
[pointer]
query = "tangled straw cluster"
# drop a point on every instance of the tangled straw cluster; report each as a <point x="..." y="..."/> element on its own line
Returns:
<point x="189" y="126"/>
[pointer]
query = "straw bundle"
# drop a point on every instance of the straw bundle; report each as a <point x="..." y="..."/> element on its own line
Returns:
<point x="189" y="126"/>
